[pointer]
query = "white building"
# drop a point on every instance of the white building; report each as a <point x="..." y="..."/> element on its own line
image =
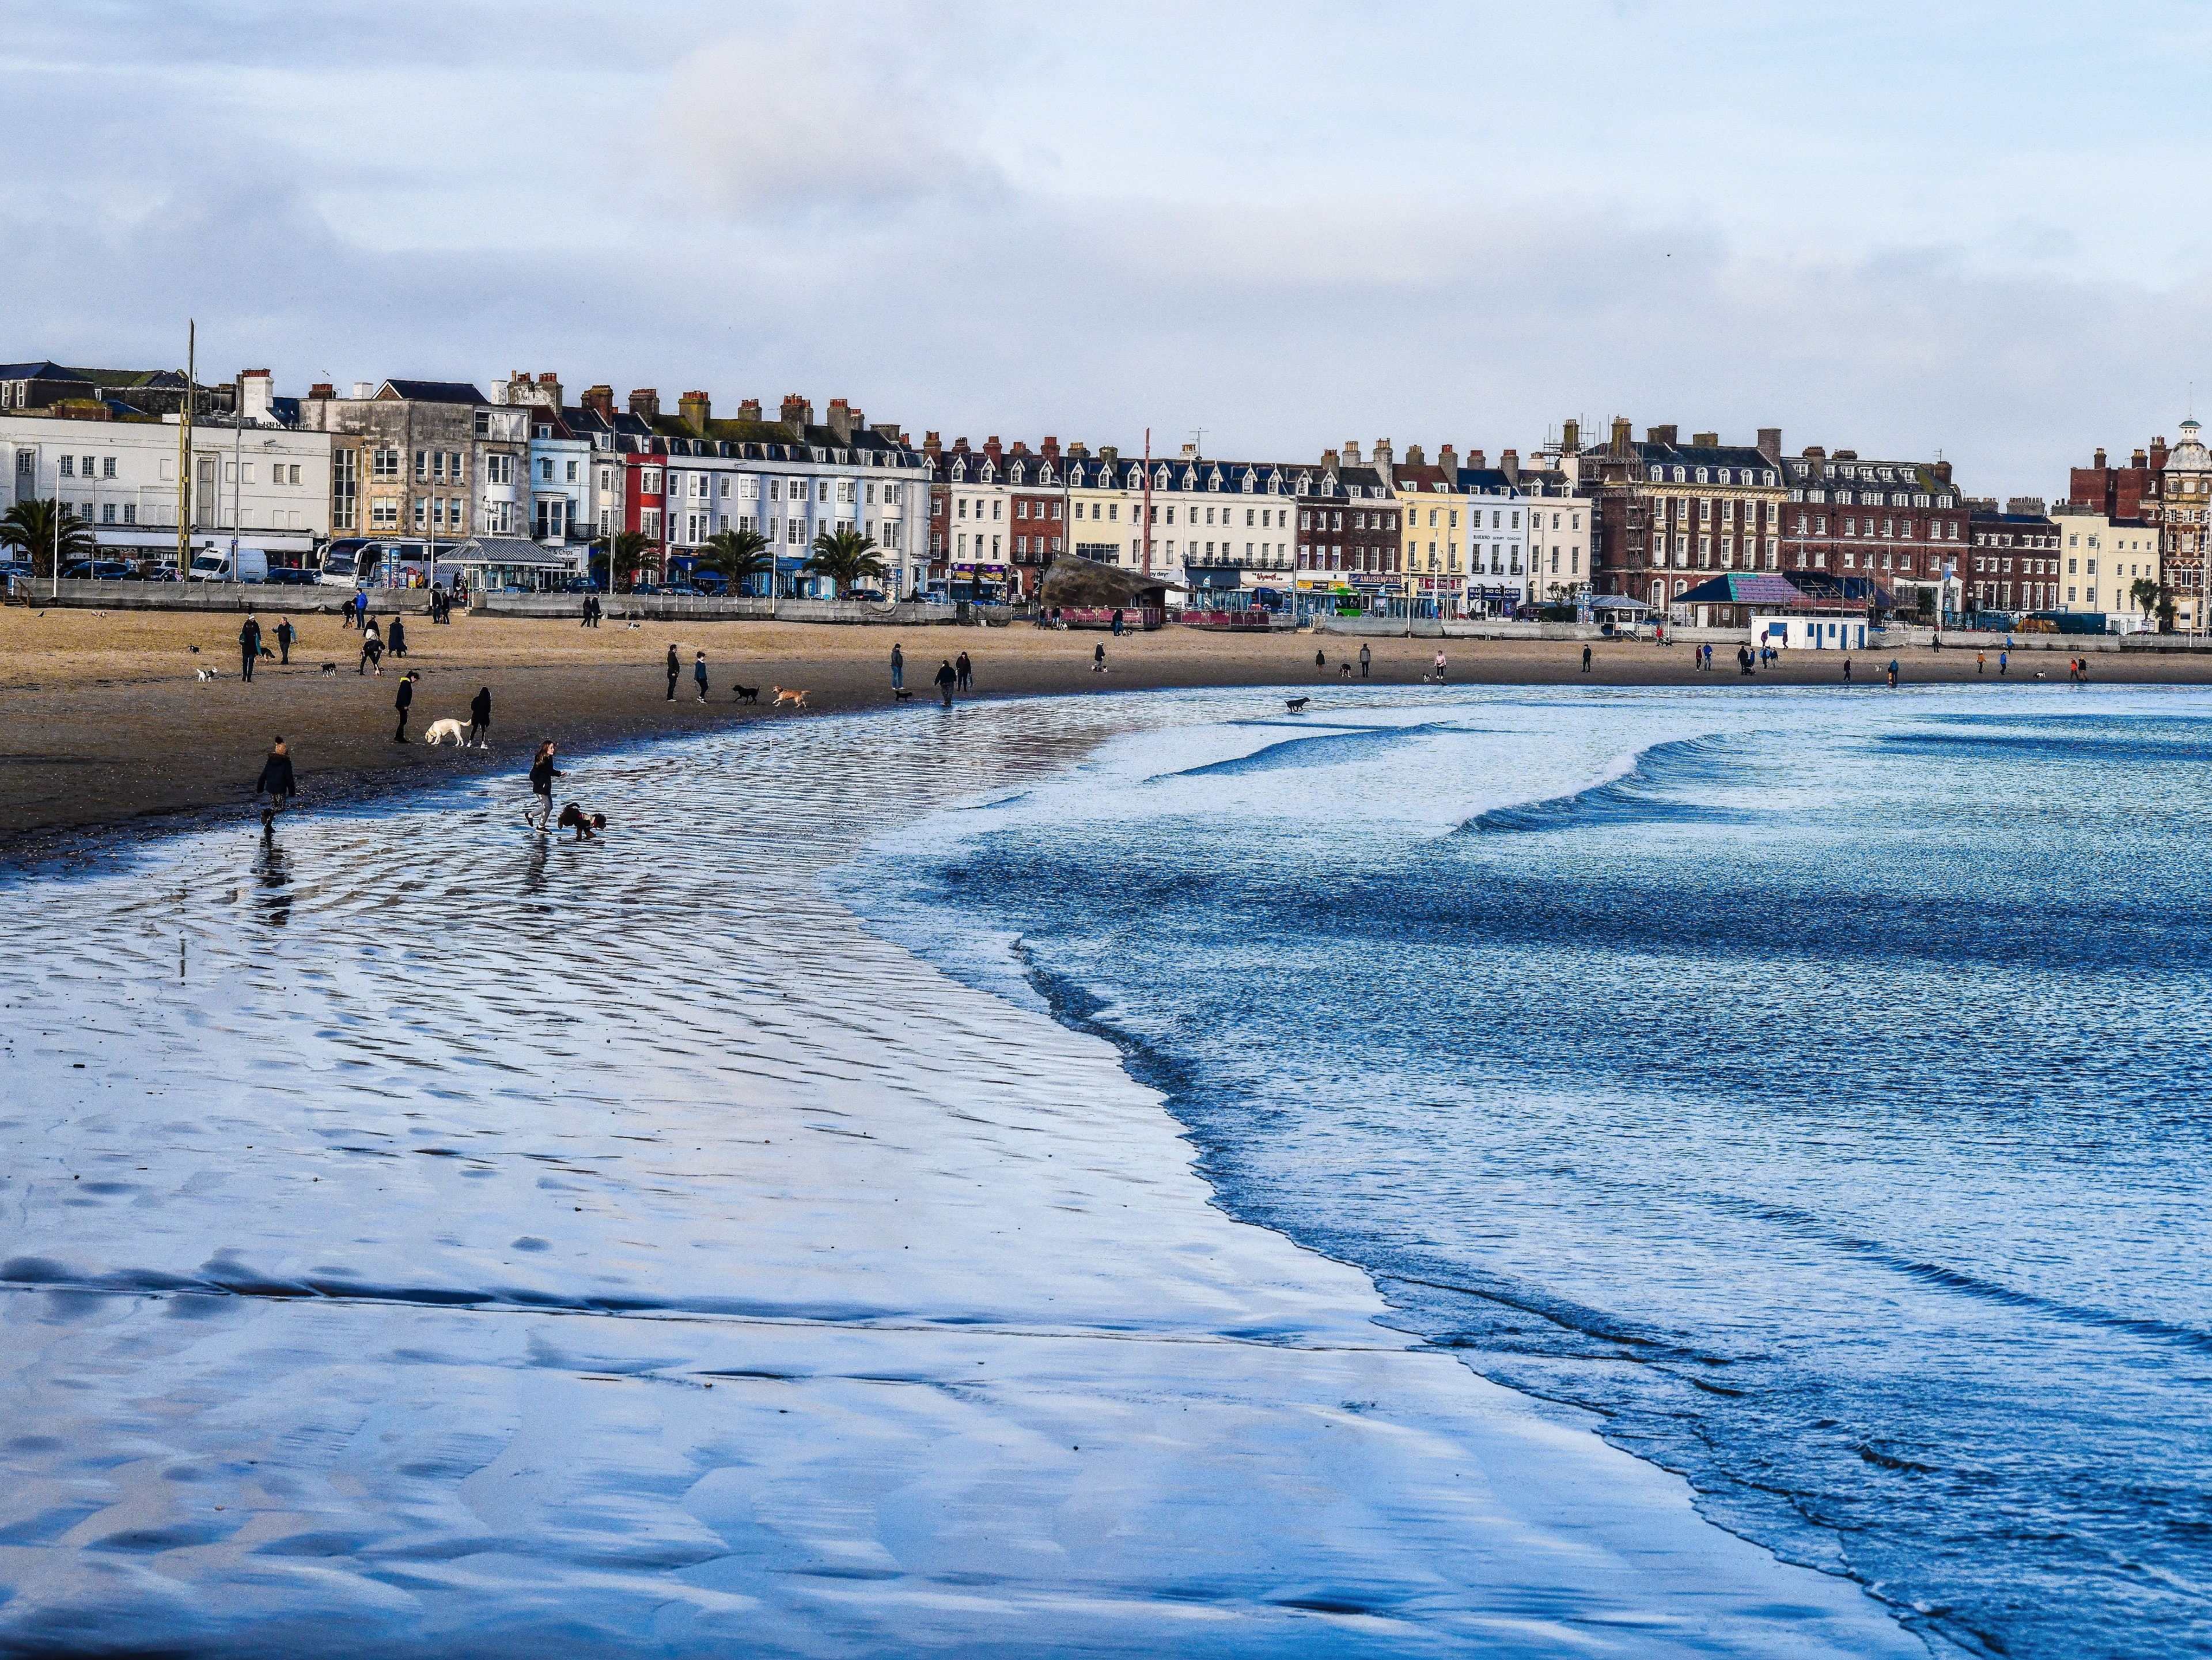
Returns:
<point x="266" y="484"/>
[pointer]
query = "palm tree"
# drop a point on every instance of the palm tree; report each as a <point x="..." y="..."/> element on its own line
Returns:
<point x="30" y="525"/>
<point x="845" y="556"/>
<point x="629" y="552"/>
<point x="2146" y="593"/>
<point x="737" y="556"/>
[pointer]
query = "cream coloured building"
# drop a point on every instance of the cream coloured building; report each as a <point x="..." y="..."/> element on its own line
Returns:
<point x="2102" y="560"/>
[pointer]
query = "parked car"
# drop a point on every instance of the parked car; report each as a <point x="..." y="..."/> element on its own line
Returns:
<point x="98" y="570"/>
<point x="291" y="576"/>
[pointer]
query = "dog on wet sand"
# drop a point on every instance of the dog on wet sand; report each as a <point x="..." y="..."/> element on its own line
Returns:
<point x="902" y="696"/>
<point x="796" y="699"/>
<point x="442" y="730"/>
<point x="747" y="694"/>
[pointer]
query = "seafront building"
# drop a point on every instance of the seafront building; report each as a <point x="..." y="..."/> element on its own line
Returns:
<point x="2104" y="559"/>
<point x="2170" y="490"/>
<point x="2012" y="556"/>
<point x="1904" y="522"/>
<point x="251" y="477"/>
<point x="1670" y="515"/>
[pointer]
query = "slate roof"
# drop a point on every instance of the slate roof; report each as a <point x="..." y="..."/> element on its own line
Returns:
<point x="433" y="392"/>
<point x="1746" y="588"/>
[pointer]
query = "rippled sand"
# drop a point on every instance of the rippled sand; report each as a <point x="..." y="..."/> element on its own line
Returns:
<point x="454" y="1242"/>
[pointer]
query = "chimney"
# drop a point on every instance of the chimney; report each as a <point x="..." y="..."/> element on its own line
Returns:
<point x="321" y="392"/>
<point x="2138" y="462"/>
<point x="1351" y="452"/>
<point x="1770" y="444"/>
<point x="1413" y="456"/>
<point x="2099" y="462"/>
<point x="1620" y="429"/>
<point x="796" y="413"/>
<point x="1328" y="462"/>
<point x="601" y="400"/>
<point x="2158" y="452"/>
<point x="1509" y="465"/>
<point x="1109" y="453"/>
<point x="1020" y="448"/>
<point x="2027" y="507"/>
<point x="1190" y="452"/>
<point x="960" y="447"/>
<point x="1448" y="458"/>
<point x="1477" y="461"/>
<point x="839" y="419"/>
<point x="1663" y="436"/>
<point x="1942" y="470"/>
<point x="696" y="409"/>
<point x="1571" y="438"/>
<point x="931" y="445"/>
<point x="364" y="389"/>
<point x="1706" y="441"/>
<point x="645" y="403"/>
<point x="992" y="449"/>
<point x="252" y="399"/>
<point x="1816" y="452"/>
<point x="1050" y="449"/>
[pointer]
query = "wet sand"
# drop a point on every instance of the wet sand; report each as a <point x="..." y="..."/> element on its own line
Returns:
<point x="108" y="726"/>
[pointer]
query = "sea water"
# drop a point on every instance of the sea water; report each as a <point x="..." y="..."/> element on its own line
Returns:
<point x="1805" y="1086"/>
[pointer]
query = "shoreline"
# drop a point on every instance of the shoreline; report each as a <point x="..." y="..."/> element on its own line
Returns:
<point x="1189" y="1418"/>
<point x="109" y="730"/>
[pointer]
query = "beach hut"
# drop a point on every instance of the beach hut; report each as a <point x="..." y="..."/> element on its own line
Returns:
<point x="1086" y="594"/>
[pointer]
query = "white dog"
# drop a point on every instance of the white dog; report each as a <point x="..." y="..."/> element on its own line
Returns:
<point x="206" y="674"/>
<point x="442" y="730"/>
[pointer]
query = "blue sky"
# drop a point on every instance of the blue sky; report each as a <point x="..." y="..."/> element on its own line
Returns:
<point x="1969" y="228"/>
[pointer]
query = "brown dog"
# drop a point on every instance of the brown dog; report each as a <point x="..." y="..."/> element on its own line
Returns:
<point x="796" y="699"/>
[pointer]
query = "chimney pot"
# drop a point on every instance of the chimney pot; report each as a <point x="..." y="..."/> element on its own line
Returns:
<point x="1706" y="441"/>
<point x="645" y="403"/>
<point x="1478" y="461"/>
<point x="2099" y="461"/>
<point x="1660" y="435"/>
<point x="1770" y="444"/>
<point x="1571" y="437"/>
<point x="321" y="389"/>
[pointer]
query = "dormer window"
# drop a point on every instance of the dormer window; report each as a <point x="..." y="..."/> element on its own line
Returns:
<point x="1701" y="476"/>
<point x="1681" y="475"/>
<point x="1658" y="475"/>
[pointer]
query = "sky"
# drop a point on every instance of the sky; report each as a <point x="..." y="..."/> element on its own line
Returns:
<point x="1965" y="229"/>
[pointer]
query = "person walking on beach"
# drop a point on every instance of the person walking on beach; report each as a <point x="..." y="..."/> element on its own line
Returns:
<point x="699" y="674"/>
<point x="1893" y="674"/>
<point x="543" y="772"/>
<point x="276" y="783"/>
<point x="1586" y="659"/>
<point x="286" y="634"/>
<point x="1743" y="659"/>
<point x="1847" y="671"/>
<point x="372" y="649"/>
<point x="480" y="719"/>
<point x="1098" y="658"/>
<point x="675" y="672"/>
<point x="249" y="645"/>
<point x="898" y="669"/>
<point x="1117" y="622"/>
<point x="2004" y="660"/>
<point x="404" y="700"/>
<point x="946" y="677"/>
<point x="395" y="641"/>
<point x="1440" y="665"/>
<point x="346" y="611"/>
<point x="1981" y="662"/>
<point x="1320" y="662"/>
<point x="967" y="671"/>
<point x="1364" y="656"/>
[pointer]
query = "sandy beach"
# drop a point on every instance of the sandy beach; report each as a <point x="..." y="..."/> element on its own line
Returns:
<point x="108" y="724"/>
<point x="542" y="1251"/>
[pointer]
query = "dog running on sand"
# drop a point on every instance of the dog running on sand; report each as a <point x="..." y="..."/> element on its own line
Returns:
<point x="207" y="674"/>
<point x="747" y="694"/>
<point x="442" y="730"/>
<point x="796" y="699"/>
<point x="1296" y="705"/>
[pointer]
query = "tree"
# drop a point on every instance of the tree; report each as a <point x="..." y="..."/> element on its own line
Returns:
<point x="2146" y="593"/>
<point x="846" y="557"/>
<point x="737" y="556"/>
<point x="30" y="525"/>
<point x="630" y="550"/>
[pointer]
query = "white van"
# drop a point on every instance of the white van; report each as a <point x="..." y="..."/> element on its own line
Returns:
<point x="215" y="565"/>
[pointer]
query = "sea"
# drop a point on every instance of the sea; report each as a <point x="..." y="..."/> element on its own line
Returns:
<point x="1804" y="1087"/>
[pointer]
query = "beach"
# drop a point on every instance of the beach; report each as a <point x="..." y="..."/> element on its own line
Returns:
<point x="108" y="724"/>
<point x="618" y="1247"/>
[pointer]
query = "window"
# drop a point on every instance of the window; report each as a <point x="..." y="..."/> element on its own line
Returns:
<point x="107" y="466"/>
<point x="546" y="469"/>
<point x="69" y="466"/>
<point x="384" y="464"/>
<point x="384" y="513"/>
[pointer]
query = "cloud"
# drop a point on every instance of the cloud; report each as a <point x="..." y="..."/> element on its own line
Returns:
<point x="861" y="114"/>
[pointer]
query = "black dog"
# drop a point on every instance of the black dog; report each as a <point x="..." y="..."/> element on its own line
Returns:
<point x="903" y="695"/>
<point x="1294" y="704"/>
<point x="748" y="694"/>
<point x="330" y="668"/>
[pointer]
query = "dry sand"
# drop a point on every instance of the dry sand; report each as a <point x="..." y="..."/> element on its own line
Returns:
<point x="108" y="723"/>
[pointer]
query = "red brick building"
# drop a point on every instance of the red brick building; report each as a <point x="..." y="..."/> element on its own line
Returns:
<point x="1668" y="515"/>
<point x="1902" y="522"/>
<point x="2012" y="558"/>
<point x="1038" y="524"/>
<point x="2171" y="490"/>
